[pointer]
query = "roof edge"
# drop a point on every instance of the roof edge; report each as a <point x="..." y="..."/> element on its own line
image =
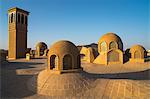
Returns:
<point x="16" y="8"/>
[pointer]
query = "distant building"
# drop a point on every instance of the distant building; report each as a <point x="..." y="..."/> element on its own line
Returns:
<point x="148" y="52"/>
<point x="92" y="45"/>
<point x="87" y="54"/>
<point x="40" y="48"/>
<point x="3" y="54"/>
<point x="17" y="28"/>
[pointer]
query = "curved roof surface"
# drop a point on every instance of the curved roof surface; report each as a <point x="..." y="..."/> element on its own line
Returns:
<point x="109" y="37"/>
<point x="41" y="44"/>
<point x="70" y="84"/>
<point x="137" y="47"/>
<point x="62" y="47"/>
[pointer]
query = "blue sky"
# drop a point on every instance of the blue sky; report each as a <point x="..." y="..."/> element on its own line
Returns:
<point x="81" y="21"/>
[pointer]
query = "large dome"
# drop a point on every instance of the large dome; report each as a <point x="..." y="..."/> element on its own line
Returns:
<point x="68" y="84"/>
<point x="108" y="39"/>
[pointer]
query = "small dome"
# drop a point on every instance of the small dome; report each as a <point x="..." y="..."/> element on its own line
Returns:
<point x="138" y="53"/>
<point x="137" y="47"/>
<point x="63" y="47"/>
<point x="108" y="39"/>
<point x="40" y="47"/>
<point x="41" y="44"/>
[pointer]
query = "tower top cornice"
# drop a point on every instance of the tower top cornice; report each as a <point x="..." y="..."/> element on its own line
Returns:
<point x="17" y="9"/>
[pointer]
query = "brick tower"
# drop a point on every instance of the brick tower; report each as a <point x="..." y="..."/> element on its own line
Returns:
<point x="17" y="28"/>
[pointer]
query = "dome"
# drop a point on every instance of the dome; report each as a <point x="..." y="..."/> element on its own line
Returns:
<point x="137" y="47"/>
<point x="41" y="44"/>
<point x="63" y="55"/>
<point x="63" y="47"/>
<point x="138" y="53"/>
<point x="68" y="84"/>
<point x="40" y="47"/>
<point x="108" y="39"/>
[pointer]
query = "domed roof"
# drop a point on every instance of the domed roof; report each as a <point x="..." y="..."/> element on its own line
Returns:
<point x="63" y="47"/>
<point x="109" y="37"/>
<point x="72" y="84"/>
<point x="41" y="44"/>
<point x="137" y="47"/>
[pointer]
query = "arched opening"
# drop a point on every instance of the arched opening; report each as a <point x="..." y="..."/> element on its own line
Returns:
<point x="18" y="17"/>
<point x="42" y="51"/>
<point x="103" y="46"/>
<point x="26" y="20"/>
<point x="113" y="56"/>
<point x="11" y="19"/>
<point x="22" y="19"/>
<point x="137" y="55"/>
<point x="67" y="62"/>
<point x="113" y="45"/>
<point x="53" y="61"/>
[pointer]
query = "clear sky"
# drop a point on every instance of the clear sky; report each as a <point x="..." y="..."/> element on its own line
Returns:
<point x="81" y="21"/>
